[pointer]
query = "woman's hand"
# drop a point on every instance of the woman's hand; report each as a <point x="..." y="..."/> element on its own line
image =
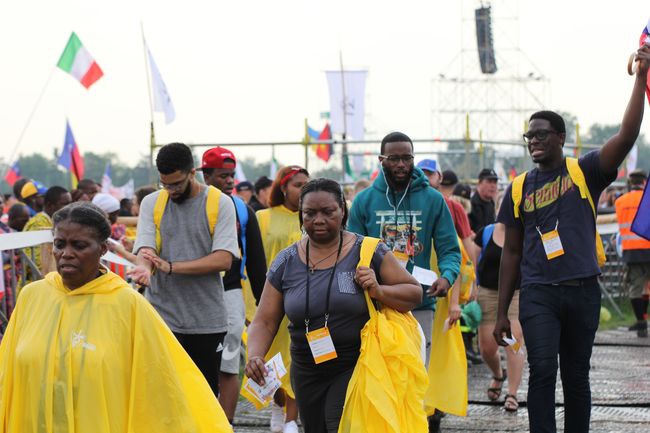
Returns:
<point x="256" y="370"/>
<point x="127" y="243"/>
<point x="367" y="279"/>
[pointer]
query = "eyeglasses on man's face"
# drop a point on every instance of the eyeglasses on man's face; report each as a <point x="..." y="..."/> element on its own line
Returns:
<point x="394" y="159"/>
<point x="175" y="186"/>
<point x="539" y="134"/>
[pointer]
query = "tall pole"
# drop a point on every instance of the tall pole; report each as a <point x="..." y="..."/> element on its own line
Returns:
<point x="306" y="142"/>
<point x="152" y="136"/>
<point x="344" y="147"/>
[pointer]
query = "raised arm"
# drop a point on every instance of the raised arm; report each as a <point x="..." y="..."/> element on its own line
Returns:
<point x="616" y="149"/>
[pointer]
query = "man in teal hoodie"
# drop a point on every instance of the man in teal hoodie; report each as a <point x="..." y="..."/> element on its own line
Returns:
<point x="408" y="215"/>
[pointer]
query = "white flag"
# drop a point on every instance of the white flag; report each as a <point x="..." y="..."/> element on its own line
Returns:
<point x="347" y="98"/>
<point x="632" y="157"/>
<point x="162" y="102"/>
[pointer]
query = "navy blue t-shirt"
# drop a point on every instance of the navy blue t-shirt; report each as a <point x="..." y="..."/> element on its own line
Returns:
<point x="576" y="224"/>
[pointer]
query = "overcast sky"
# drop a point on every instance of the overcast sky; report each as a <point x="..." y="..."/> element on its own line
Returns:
<point x="252" y="70"/>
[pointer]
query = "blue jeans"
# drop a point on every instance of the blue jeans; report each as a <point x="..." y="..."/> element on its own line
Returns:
<point x="559" y="319"/>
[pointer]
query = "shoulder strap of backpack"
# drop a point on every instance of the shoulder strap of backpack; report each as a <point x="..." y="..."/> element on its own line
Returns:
<point x="158" y="211"/>
<point x="517" y="191"/>
<point x="212" y="207"/>
<point x="487" y="235"/>
<point x="242" y="216"/>
<point x="368" y="247"/>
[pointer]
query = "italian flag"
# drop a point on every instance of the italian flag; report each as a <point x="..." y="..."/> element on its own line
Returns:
<point x="78" y="62"/>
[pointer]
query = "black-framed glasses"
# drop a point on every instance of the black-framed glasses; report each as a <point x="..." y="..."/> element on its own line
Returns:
<point x="394" y="159"/>
<point x="176" y="186"/>
<point x="540" y="134"/>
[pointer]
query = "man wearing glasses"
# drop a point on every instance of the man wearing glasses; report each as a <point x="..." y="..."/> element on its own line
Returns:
<point x="401" y="209"/>
<point x="181" y="268"/>
<point x="550" y="250"/>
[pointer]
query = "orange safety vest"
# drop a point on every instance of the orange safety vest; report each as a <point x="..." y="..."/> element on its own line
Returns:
<point x="626" y="207"/>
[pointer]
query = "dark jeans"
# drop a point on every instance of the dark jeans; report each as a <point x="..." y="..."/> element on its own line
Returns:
<point x="559" y="319"/>
<point x="205" y="351"/>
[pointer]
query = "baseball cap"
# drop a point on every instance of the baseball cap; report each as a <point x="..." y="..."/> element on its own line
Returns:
<point x="244" y="186"/>
<point x="262" y="182"/>
<point x="429" y="165"/>
<point x="216" y="158"/>
<point x="488" y="173"/>
<point x="32" y="188"/>
<point x="638" y="173"/>
<point x="449" y="178"/>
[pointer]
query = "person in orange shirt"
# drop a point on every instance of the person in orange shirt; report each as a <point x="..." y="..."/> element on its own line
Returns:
<point x="636" y="251"/>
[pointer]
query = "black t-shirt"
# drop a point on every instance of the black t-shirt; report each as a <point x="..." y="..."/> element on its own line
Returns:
<point x="488" y="266"/>
<point x="576" y="224"/>
<point x="483" y="213"/>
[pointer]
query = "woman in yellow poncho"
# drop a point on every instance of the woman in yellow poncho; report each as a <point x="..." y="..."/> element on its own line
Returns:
<point x="280" y="227"/>
<point x="84" y="352"/>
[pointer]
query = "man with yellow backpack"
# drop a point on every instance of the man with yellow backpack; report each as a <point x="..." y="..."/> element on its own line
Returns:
<point x="187" y="236"/>
<point x="552" y="250"/>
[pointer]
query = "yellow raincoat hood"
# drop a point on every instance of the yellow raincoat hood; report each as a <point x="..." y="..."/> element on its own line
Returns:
<point x="98" y="359"/>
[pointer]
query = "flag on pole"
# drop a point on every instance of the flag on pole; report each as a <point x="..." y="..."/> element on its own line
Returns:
<point x="641" y="223"/>
<point x="347" y="102"/>
<point x="162" y="102"/>
<point x="645" y="39"/>
<point x="77" y="61"/>
<point x="13" y="174"/>
<point x="323" y="150"/>
<point x="70" y="157"/>
<point x="107" y="182"/>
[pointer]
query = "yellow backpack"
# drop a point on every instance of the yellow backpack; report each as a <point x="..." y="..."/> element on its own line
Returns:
<point x="386" y="390"/>
<point x="578" y="178"/>
<point x="211" y="210"/>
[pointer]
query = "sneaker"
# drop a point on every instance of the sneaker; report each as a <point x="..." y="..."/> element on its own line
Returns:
<point x="277" y="418"/>
<point x="290" y="427"/>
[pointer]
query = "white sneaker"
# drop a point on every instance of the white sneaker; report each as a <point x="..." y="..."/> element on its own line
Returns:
<point x="277" y="418"/>
<point x="290" y="427"/>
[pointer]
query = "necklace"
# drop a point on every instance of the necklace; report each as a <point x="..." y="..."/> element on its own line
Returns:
<point x="312" y="265"/>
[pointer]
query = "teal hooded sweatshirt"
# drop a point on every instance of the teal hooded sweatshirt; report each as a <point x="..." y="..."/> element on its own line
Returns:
<point x="420" y="210"/>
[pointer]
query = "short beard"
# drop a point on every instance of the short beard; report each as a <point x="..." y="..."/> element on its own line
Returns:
<point x="181" y="198"/>
<point x="399" y="185"/>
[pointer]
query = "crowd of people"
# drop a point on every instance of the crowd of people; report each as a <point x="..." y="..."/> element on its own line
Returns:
<point x="275" y="267"/>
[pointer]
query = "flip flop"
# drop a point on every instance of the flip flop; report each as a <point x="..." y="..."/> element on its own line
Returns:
<point x="494" y="393"/>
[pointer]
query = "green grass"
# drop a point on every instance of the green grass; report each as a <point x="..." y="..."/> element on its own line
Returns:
<point x="617" y="321"/>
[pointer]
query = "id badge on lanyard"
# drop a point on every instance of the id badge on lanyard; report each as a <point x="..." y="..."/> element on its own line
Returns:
<point x="321" y="344"/>
<point x="552" y="242"/>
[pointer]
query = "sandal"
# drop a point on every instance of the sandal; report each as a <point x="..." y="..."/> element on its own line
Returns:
<point x="494" y="393"/>
<point x="511" y="404"/>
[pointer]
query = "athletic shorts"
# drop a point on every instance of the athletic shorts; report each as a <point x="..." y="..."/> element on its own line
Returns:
<point x="231" y="356"/>
<point x="636" y="279"/>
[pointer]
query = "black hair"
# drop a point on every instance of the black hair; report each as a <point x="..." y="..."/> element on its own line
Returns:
<point x="276" y="198"/>
<point x="87" y="214"/>
<point x="394" y="137"/>
<point x="18" y="186"/>
<point x="174" y="157"/>
<point x="261" y="183"/>
<point x="86" y="184"/>
<point x="54" y="193"/>
<point x="556" y="121"/>
<point x="144" y="191"/>
<point x="16" y="210"/>
<point x="325" y="185"/>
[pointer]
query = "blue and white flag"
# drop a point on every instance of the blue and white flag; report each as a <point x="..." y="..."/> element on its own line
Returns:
<point x="641" y="223"/>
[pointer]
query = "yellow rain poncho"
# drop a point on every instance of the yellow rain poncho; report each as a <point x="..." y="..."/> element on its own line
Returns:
<point x="387" y="387"/>
<point x="98" y="359"/>
<point x="280" y="228"/>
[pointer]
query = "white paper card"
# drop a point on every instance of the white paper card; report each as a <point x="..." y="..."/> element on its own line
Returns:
<point x="424" y="276"/>
<point x="275" y="371"/>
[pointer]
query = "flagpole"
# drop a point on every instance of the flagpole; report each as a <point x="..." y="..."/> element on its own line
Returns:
<point x="152" y="134"/>
<point x="29" y="119"/>
<point x="306" y="145"/>
<point x="344" y="147"/>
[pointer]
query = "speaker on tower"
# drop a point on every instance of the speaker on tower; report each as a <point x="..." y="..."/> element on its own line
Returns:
<point x="484" y="40"/>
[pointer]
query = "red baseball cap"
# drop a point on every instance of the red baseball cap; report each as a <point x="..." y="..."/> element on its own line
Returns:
<point x="217" y="158"/>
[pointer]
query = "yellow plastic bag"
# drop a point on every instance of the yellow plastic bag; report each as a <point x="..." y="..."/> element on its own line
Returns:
<point x="386" y="391"/>
<point x="447" y="389"/>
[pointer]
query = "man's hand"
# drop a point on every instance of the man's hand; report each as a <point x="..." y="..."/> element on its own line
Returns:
<point x="501" y="329"/>
<point x="439" y="288"/>
<point x="141" y="275"/>
<point x="160" y="264"/>
<point x="643" y="61"/>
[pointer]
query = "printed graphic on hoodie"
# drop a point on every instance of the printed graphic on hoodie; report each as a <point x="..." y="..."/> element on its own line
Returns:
<point x="401" y="236"/>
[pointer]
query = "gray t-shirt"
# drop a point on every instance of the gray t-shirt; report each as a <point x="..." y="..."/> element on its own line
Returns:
<point x="190" y="304"/>
<point x="348" y="312"/>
